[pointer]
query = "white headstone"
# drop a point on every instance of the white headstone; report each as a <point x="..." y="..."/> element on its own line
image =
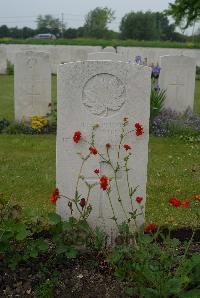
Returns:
<point x="109" y="49"/>
<point x="3" y="61"/>
<point x="103" y="93"/>
<point x="32" y="85"/>
<point x="178" y="78"/>
<point x="105" y="56"/>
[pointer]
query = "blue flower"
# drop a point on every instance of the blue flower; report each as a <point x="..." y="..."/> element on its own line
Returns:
<point x="157" y="88"/>
<point x="156" y="70"/>
<point x="138" y="59"/>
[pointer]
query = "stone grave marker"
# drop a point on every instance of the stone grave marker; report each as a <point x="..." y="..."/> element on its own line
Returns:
<point x="103" y="93"/>
<point x="32" y="85"/>
<point x="3" y="61"/>
<point x="109" y="49"/>
<point x="105" y="56"/>
<point x="178" y="78"/>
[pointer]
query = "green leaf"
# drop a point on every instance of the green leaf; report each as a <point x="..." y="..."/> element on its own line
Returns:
<point x="71" y="253"/>
<point x="42" y="245"/>
<point x="191" y="294"/>
<point x="21" y="232"/>
<point x="54" y="218"/>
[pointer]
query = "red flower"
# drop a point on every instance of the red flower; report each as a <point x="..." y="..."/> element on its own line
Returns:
<point x="104" y="182"/>
<point x="127" y="147"/>
<point x="93" y="150"/>
<point x="196" y="198"/>
<point x="82" y="203"/>
<point x="175" y="202"/>
<point x="77" y="136"/>
<point x="150" y="227"/>
<point x="97" y="171"/>
<point x="139" y="130"/>
<point x="54" y="197"/>
<point x="139" y="199"/>
<point x="185" y="203"/>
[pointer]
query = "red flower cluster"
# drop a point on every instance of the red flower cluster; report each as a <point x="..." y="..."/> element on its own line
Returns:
<point x="54" y="197"/>
<point x="185" y="203"/>
<point x="139" y="199"/>
<point x="77" y="136"/>
<point x="82" y="203"/>
<point x="150" y="227"/>
<point x="127" y="147"/>
<point x="177" y="203"/>
<point x="139" y="130"/>
<point x="93" y="150"/>
<point x="97" y="171"/>
<point x="104" y="182"/>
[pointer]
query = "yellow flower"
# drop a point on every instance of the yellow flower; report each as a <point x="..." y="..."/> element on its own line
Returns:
<point x="38" y="122"/>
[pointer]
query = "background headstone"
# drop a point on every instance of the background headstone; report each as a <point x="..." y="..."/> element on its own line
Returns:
<point x="178" y="78"/>
<point x="109" y="49"/>
<point x="101" y="92"/>
<point x="32" y="85"/>
<point x="105" y="56"/>
<point x="3" y="61"/>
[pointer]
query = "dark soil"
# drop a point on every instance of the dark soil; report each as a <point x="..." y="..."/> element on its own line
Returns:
<point x="88" y="276"/>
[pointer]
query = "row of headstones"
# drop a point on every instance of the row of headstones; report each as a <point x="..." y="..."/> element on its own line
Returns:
<point x="32" y="83"/>
<point x="103" y="92"/>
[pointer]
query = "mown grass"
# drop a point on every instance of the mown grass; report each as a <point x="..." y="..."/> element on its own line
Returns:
<point x="102" y="42"/>
<point x="27" y="171"/>
<point x="27" y="167"/>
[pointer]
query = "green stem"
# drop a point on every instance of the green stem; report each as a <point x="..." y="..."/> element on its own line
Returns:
<point x="113" y="211"/>
<point x="186" y="252"/>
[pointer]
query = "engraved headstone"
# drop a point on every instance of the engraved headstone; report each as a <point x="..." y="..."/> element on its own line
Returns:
<point x="103" y="93"/>
<point x="3" y="61"/>
<point x="178" y="78"/>
<point x="32" y="85"/>
<point x="109" y="49"/>
<point x="105" y="56"/>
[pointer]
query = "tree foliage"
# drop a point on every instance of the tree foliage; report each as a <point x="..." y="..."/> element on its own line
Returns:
<point x="146" y="26"/>
<point x="96" y="22"/>
<point x="49" y="24"/>
<point x="184" y="12"/>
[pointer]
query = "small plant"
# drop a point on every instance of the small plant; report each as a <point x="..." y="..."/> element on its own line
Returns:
<point x="10" y="68"/>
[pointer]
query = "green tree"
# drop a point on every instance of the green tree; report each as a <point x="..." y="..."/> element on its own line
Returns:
<point x="49" y="24"/>
<point x="96" y="22"/>
<point x="184" y="12"/>
<point x="146" y="26"/>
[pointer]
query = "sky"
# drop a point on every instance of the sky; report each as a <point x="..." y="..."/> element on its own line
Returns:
<point x="24" y="12"/>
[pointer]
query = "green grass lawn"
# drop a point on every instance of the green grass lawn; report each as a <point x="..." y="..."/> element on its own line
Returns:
<point x="27" y="167"/>
<point x="27" y="171"/>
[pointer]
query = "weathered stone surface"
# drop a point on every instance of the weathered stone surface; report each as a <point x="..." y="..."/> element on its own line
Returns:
<point x="32" y="85"/>
<point x="106" y="56"/>
<point x="109" y="49"/>
<point x="3" y="62"/>
<point x="178" y="78"/>
<point x="103" y="93"/>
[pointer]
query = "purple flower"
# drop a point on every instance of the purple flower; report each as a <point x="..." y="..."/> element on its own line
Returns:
<point x="157" y="88"/>
<point x="156" y="70"/>
<point x="138" y="59"/>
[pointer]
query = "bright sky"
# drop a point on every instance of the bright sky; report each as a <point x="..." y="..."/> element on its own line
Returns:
<point x="24" y="12"/>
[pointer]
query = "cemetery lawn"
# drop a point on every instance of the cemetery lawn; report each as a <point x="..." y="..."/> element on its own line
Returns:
<point x="27" y="171"/>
